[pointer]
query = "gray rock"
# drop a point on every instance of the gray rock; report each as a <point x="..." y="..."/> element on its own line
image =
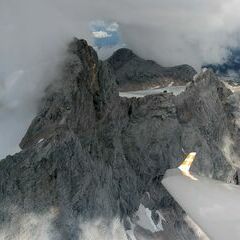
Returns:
<point x="89" y="153"/>
<point x="135" y="73"/>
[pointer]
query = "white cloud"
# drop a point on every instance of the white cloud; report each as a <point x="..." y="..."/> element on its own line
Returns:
<point x="101" y="34"/>
<point x="102" y="229"/>
<point x="113" y="27"/>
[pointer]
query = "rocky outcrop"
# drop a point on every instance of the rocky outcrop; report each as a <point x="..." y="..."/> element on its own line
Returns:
<point x="90" y="154"/>
<point x="135" y="73"/>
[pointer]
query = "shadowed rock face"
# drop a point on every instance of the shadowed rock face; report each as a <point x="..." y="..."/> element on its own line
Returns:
<point x="135" y="73"/>
<point x="89" y="153"/>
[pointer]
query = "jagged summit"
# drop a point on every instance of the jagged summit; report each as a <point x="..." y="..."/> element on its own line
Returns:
<point x="121" y="57"/>
<point x="89" y="154"/>
<point x="134" y="73"/>
<point x="76" y="100"/>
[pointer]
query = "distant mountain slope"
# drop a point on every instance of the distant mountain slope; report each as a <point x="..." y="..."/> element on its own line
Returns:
<point x="134" y="73"/>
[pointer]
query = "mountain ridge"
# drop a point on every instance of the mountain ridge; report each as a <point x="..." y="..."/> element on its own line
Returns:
<point x="90" y="154"/>
<point x="135" y="73"/>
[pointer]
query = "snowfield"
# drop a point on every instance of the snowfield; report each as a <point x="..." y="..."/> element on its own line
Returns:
<point x="176" y="90"/>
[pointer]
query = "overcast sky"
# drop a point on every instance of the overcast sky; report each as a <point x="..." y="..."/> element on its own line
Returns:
<point x="34" y="35"/>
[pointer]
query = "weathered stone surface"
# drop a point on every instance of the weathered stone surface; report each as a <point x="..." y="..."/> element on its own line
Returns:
<point x="135" y="73"/>
<point x="89" y="153"/>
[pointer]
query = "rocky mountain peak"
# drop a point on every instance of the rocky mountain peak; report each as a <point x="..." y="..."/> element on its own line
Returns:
<point x="121" y="57"/>
<point x="135" y="73"/>
<point x="90" y="155"/>
<point x="74" y="101"/>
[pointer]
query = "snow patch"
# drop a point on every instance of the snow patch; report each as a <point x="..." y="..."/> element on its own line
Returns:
<point x="161" y="220"/>
<point x="175" y="90"/>
<point x="130" y="232"/>
<point x="145" y="219"/>
<point x="41" y="140"/>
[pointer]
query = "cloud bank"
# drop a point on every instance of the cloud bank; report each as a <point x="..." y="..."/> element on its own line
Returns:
<point x="34" y="35"/>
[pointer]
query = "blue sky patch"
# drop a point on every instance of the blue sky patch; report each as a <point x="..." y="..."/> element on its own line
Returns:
<point x="105" y="34"/>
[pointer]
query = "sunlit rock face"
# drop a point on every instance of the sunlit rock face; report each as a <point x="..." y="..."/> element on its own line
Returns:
<point x="90" y="154"/>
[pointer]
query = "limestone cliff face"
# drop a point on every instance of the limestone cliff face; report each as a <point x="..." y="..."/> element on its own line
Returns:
<point x="89" y="153"/>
